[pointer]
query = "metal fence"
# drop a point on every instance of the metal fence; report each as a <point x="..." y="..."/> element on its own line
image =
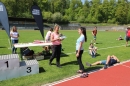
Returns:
<point x="67" y="27"/>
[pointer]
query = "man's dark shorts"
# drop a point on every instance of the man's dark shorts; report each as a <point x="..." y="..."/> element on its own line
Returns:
<point x="127" y="38"/>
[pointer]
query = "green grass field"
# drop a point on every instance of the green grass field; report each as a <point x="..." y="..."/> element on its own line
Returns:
<point x="106" y="43"/>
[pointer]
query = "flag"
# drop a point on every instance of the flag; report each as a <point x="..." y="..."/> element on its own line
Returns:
<point x="4" y="18"/>
<point x="36" y="12"/>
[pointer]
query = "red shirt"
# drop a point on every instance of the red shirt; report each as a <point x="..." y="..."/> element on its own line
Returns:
<point x="128" y="33"/>
<point x="94" y="32"/>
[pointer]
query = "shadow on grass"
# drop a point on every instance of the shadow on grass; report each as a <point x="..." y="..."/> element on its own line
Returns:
<point x="2" y="47"/>
<point x="92" y="69"/>
<point x="41" y="70"/>
<point x="98" y="54"/>
<point x="72" y="62"/>
<point x="62" y="55"/>
<point x="99" y="43"/>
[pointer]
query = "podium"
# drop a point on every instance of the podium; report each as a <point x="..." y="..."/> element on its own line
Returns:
<point x="12" y="67"/>
<point x="9" y="61"/>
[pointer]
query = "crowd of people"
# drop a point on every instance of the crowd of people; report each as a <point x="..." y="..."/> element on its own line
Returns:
<point x="54" y="36"/>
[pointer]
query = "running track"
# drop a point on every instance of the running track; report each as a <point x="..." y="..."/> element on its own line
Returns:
<point x="118" y="75"/>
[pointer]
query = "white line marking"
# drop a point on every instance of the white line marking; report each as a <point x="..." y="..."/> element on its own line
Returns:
<point x="126" y="66"/>
<point x="9" y="44"/>
<point x="99" y="49"/>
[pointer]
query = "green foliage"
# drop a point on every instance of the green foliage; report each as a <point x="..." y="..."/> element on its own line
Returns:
<point x="112" y="21"/>
<point x="56" y="17"/>
<point x="47" y="16"/>
<point x="65" y="19"/>
<point x="94" y="11"/>
<point x="81" y="19"/>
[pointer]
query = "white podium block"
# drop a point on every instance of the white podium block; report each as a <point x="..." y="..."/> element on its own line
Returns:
<point x="2" y="75"/>
<point x="9" y="73"/>
<point x="9" y="61"/>
<point x="28" y="67"/>
<point x="12" y="73"/>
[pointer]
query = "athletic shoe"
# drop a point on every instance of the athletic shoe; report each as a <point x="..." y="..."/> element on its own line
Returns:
<point x="84" y="75"/>
<point x="59" y="66"/>
<point x="105" y="66"/>
<point x="88" y="64"/>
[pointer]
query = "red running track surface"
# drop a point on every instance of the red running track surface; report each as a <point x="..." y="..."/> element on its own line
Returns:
<point x="118" y="75"/>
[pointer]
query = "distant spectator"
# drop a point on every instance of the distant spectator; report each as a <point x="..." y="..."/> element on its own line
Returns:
<point x="120" y="38"/>
<point x="48" y="35"/>
<point x="92" y="50"/>
<point x="48" y="39"/>
<point x="127" y="35"/>
<point x="94" y="33"/>
<point x="14" y="38"/>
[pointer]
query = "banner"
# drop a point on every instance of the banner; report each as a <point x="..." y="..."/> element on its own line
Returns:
<point x="4" y="18"/>
<point x="36" y="12"/>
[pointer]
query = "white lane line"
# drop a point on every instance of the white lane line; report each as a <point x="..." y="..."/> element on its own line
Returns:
<point x="9" y="44"/>
<point x="126" y="66"/>
<point x="99" y="49"/>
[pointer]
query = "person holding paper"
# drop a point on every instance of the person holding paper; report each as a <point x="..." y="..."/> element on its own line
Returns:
<point x="56" y="47"/>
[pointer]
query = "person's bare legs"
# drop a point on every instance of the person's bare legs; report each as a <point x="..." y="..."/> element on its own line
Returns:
<point x="126" y="43"/>
<point x="95" y="51"/>
<point x="96" y="63"/>
<point x="93" y="64"/>
<point x="90" y="52"/>
<point x="108" y="59"/>
<point x="94" y="41"/>
<point x="114" y="57"/>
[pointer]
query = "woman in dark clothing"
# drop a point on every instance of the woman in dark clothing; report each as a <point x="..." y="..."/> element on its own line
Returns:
<point x="56" y="47"/>
<point x="79" y="47"/>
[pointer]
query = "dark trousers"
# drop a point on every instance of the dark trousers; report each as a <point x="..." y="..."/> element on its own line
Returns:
<point x="56" y="51"/>
<point x="79" y="59"/>
<point x="13" y="48"/>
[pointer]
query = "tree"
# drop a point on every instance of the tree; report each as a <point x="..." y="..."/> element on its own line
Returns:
<point x="57" y="17"/>
<point x="121" y="12"/>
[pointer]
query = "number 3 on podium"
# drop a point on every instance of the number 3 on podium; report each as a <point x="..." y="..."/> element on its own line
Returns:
<point x="29" y="70"/>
